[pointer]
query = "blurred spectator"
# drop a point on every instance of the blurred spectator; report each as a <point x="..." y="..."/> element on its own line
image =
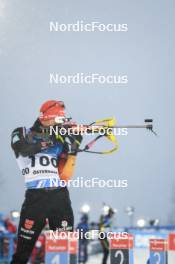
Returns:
<point x="2" y="224"/>
<point x="105" y="225"/>
<point x="10" y="226"/>
<point x="83" y="227"/>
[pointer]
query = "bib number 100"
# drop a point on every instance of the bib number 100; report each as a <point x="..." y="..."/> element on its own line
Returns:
<point x="44" y="161"/>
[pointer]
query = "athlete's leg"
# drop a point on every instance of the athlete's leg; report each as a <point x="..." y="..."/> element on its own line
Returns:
<point x="32" y="221"/>
<point x="60" y="213"/>
<point x="105" y="247"/>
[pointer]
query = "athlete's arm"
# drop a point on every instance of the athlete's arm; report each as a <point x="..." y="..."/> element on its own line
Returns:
<point x="20" y="145"/>
<point x="66" y="164"/>
<point x="68" y="169"/>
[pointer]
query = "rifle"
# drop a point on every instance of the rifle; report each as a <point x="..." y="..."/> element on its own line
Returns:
<point x="107" y="125"/>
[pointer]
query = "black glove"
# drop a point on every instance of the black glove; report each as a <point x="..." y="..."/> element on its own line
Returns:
<point x="75" y="141"/>
<point x="71" y="142"/>
<point x="45" y="141"/>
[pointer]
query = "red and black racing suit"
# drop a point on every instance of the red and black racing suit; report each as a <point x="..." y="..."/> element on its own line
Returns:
<point x="52" y="203"/>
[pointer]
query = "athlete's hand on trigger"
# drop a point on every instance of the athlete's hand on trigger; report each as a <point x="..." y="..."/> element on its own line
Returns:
<point x="75" y="143"/>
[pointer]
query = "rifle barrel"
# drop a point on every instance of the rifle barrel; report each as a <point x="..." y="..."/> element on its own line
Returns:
<point x="94" y="127"/>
